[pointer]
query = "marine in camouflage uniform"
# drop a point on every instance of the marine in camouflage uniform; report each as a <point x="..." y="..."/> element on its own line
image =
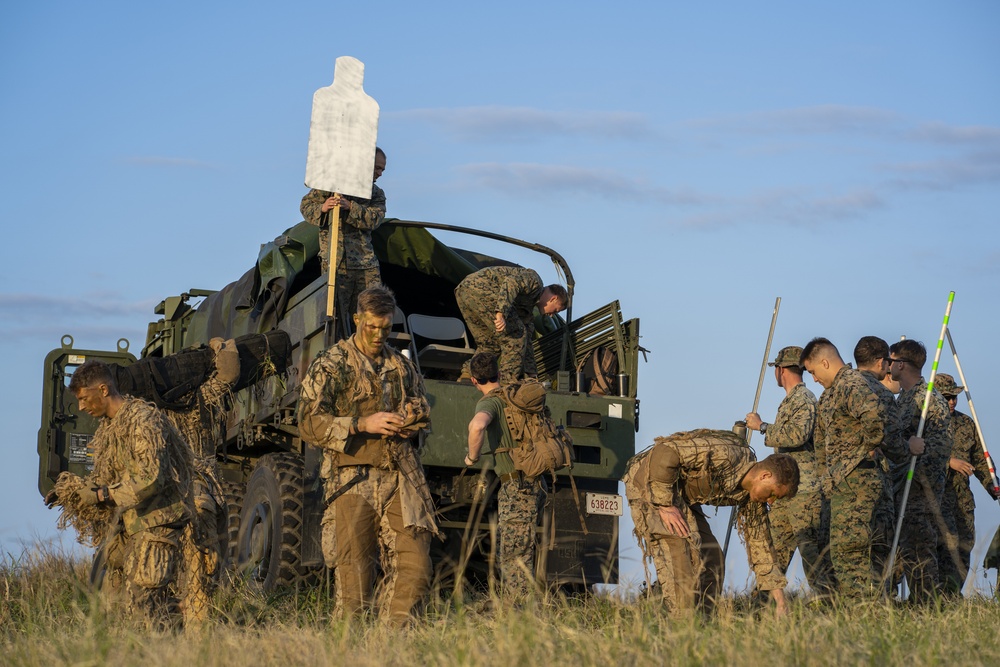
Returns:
<point x="923" y="521"/>
<point x="362" y="402"/>
<point x="666" y="486"/>
<point x="958" y="504"/>
<point x="498" y="304"/>
<point x="357" y="266"/>
<point x="520" y="499"/>
<point x="137" y="500"/>
<point x="797" y="522"/>
<point x="848" y="430"/>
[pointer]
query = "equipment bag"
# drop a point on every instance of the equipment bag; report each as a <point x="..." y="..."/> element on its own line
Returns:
<point x="600" y="370"/>
<point x="543" y="447"/>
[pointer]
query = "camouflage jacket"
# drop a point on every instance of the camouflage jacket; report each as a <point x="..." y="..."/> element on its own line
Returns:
<point x="848" y="423"/>
<point x="893" y="446"/>
<point x="341" y="385"/>
<point x="141" y="458"/>
<point x="968" y="447"/>
<point x="937" y="433"/>
<point x="202" y="426"/>
<point x="355" y="248"/>
<point x="510" y="290"/>
<point x="792" y="434"/>
<point x="706" y="467"/>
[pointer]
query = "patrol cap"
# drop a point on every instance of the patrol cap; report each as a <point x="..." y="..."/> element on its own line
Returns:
<point x="945" y="384"/>
<point x="787" y="357"/>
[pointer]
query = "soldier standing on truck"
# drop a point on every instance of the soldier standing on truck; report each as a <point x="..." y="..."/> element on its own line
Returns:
<point x="362" y="402"/>
<point x="355" y="262"/>
<point x="797" y="522"/>
<point x="666" y="486"/>
<point x="498" y="304"/>
<point x="137" y="501"/>
<point x="520" y="499"/>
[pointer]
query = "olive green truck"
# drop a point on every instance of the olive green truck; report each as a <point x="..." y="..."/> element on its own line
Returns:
<point x="271" y="476"/>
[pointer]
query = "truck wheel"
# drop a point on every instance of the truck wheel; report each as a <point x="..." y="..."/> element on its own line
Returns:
<point x="234" y="506"/>
<point x="269" y="541"/>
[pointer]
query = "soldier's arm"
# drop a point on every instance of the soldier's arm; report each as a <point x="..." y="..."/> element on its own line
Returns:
<point x="895" y="448"/>
<point x="477" y="434"/>
<point x="319" y="422"/>
<point x="664" y="474"/>
<point x="311" y="207"/>
<point x="149" y="472"/>
<point x="755" y="530"/>
<point x="863" y="405"/>
<point x="367" y="216"/>
<point x="794" y="429"/>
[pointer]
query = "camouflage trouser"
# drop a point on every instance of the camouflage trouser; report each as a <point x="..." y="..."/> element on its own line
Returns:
<point x="512" y="345"/>
<point x="519" y="504"/>
<point x="916" y="558"/>
<point x="853" y="504"/>
<point x="363" y="524"/>
<point x="690" y="569"/>
<point x="799" y="522"/>
<point x="144" y="566"/>
<point x="955" y="548"/>
<point x="351" y="283"/>
<point x="885" y="527"/>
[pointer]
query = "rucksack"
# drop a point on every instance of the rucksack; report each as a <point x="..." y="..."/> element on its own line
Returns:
<point x="600" y="370"/>
<point x="542" y="446"/>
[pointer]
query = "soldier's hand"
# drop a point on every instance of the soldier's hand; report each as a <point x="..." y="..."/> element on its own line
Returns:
<point x="381" y="423"/>
<point x="87" y="496"/>
<point x="916" y="445"/>
<point x="500" y="322"/>
<point x="753" y="421"/>
<point x="964" y="467"/>
<point x="674" y="520"/>
<point x="51" y="499"/>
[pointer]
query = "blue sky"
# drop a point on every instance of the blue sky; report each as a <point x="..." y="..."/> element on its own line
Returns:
<point x="693" y="160"/>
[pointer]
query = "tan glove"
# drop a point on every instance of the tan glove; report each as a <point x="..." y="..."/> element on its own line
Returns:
<point x="87" y="496"/>
<point x="227" y="360"/>
<point x="51" y="499"/>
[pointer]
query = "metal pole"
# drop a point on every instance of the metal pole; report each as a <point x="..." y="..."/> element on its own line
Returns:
<point x="920" y="433"/>
<point x="975" y="419"/>
<point x="756" y="402"/>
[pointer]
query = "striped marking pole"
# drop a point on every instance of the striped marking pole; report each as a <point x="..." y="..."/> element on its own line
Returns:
<point x="920" y="433"/>
<point x="975" y="419"/>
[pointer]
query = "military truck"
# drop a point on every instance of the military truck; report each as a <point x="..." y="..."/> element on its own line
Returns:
<point x="271" y="475"/>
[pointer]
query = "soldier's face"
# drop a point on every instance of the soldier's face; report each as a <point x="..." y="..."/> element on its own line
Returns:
<point x="373" y="331"/>
<point x="93" y="400"/>
<point x="952" y="402"/>
<point x="767" y="490"/>
<point x="379" y="166"/>
<point x="820" y="369"/>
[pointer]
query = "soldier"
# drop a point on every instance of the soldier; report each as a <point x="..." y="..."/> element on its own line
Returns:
<point x="871" y="355"/>
<point x="498" y="303"/>
<point x="666" y="486"/>
<point x="922" y="518"/>
<point x="137" y="500"/>
<point x="798" y="521"/>
<point x="848" y="429"/>
<point x="520" y="498"/>
<point x="362" y="402"/>
<point x="357" y="267"/>
<point x="958" y="504"/>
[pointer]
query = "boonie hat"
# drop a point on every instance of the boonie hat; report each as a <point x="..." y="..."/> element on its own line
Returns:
<point x="945" y="384"/>
<point x="787" y="357"/>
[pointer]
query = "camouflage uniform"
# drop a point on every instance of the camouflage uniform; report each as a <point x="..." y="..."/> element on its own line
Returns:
<point x="892" y="450"/>
<point x="147" y="468"/>
<point x="848" y="427"/>
<point x="390" y="510"/>
<point x="514" y="292"/>
<point x="519" y="504"/>
<point x="687" y="470"/>
<point x="357" y="267"/>
<point x="798" y="522"/>
<point x="922" y="518"/>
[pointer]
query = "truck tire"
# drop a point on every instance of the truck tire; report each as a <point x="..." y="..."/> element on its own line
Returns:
<point x="234" y="506"/>
<point x="269" y="540"/>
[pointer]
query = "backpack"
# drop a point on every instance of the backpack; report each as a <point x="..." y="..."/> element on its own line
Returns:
<point x="600" y="369"/>
<point x="542" y="446"/>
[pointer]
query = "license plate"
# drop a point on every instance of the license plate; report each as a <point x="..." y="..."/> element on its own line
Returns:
<point x="604" y="503"/>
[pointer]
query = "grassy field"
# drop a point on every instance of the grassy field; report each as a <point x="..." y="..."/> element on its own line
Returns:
<point x="48" y="617"/>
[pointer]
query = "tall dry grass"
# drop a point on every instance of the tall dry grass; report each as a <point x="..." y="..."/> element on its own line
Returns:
<point x="49" y="617"/>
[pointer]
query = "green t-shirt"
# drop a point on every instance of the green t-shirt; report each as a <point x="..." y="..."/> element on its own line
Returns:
<point x="497" y="434"/>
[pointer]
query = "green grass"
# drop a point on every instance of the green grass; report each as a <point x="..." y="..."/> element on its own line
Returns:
<point x="49" y="617"/>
